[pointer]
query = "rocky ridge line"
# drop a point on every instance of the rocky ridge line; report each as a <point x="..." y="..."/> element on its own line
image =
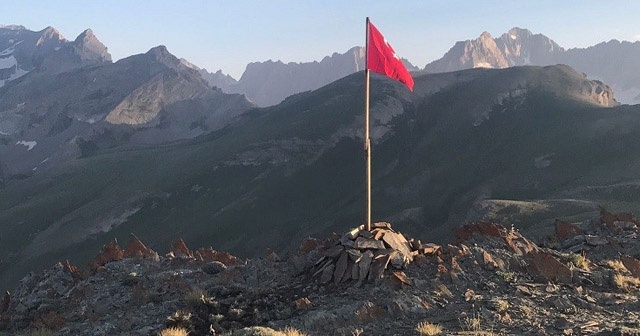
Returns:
<point x="582" y="280"/>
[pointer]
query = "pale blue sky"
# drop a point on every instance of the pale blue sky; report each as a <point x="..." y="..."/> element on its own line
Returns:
<point x="229" y="34"/>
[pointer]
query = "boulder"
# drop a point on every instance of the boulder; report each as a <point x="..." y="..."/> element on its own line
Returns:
<point x="110" y="252"/>
<point x="136" y="248"/>
<point x="545" y="265"/>
<point x="565" y="230"/>
<point x="632" y="264"/>
<point x="180" y="249"/>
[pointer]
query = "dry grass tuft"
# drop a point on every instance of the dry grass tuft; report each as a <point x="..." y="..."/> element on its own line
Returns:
<point x="629" y="331"/>
<point x="616" y="265"/>
<point x="473" y="326"/>
<point x="625" y="283"/>
<point x="471" y="323"/>
<point x="289" y="331"/>
<point x="428" y="329"/>
<point x="173" y="331"/>
<point x="526" y="310"/>
<point x="500" y="305"/>
<point x="503" y="318"/>
<point x="194" y="297"/>
<point x="357" y="332"/>
<point x="507" y="276"/>
<point x="580" y="261"/>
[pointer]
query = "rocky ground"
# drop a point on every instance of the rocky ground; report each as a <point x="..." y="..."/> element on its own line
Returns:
<point x="584" y="280"/>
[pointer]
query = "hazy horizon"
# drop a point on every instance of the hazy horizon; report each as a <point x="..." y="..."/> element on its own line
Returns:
<point x="229" y="35"/>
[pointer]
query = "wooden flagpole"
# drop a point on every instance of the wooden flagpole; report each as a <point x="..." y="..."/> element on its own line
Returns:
<point x="367" y="141"/>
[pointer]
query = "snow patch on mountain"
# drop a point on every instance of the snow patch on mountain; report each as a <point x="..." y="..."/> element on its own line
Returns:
<point x="543" y="161"/>
<point x="8" y="62"/>
<point x="28" y="144"/>
<point x="482" y="65"/>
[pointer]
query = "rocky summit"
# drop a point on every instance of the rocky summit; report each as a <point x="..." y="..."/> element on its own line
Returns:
<point x="581" y="280"/>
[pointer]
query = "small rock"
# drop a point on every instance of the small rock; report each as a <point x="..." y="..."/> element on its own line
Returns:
<point x="341" y="267"/>
<point x="214" y="267"/>
<point x="333" y="251"/>
<point x="366" y="243"/>
<point x="302" y="303"/>
<point x="364" y="265"/>
<point x="596" y="240"/>
<point x="327" y="273"/>
<point x="565" y="306"/>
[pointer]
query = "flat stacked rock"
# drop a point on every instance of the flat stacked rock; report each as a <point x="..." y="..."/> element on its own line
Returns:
<point x="361" y="255"/>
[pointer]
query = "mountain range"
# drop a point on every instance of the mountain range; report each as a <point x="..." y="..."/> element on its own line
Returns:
<point x="614" y="62"/>
<point x="67" y="99"/>
<point x="268" y="83"/>
<point x="93" y="150"/>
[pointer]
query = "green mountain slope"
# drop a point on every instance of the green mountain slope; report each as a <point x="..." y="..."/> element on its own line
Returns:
<point x="297" y="169"/>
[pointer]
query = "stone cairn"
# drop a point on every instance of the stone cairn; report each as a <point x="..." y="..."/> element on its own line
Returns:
<point x="361" y="255"/>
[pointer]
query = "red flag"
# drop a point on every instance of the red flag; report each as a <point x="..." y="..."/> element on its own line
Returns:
<point x="381" y="58"/>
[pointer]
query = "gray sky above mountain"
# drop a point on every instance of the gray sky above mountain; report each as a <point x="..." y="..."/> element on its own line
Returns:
<point x="228" y="35"/>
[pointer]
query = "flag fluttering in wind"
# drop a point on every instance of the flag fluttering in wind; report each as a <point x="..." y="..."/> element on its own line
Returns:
<point x="381" y="58"/>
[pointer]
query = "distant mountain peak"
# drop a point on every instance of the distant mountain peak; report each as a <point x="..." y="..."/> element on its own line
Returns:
<point x="13" y="27"/>
<point x="485" y="35"/>
<point x="90" y="48"/>
<point x="517" y="31"/>
<point x="161" y="52"/>
<point x="50" y="35"/>
<point x="86" y="35"/>
<point x="518" y="46"/>
<point x="162" y="55"/>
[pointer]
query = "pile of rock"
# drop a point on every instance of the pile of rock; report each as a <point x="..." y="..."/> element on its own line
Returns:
<point x="361" y="255"/>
